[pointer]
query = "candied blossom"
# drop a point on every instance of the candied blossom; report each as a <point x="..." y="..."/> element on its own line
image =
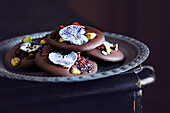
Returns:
<point x="74" y="34"/>
<point x="30" y="46"/>
<point x="63" y="60"/>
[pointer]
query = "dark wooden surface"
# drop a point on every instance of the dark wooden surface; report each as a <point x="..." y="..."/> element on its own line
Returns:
<point x="147" y="21"/>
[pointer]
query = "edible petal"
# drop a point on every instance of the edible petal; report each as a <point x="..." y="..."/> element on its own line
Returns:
<point x="74" y="34"/>
<point x="84" y="38"/>
<point x="79" y="40"/>
<point x="30" y="46"/>
<point x="63" y="60"/>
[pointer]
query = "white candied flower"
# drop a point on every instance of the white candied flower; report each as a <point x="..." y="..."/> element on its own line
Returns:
<point x="63" y="60"/>
<point x="30" y="46"/>
<point x="74" y="34"/>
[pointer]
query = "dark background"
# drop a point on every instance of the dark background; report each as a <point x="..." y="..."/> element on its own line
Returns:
<point x="145" y="20"/>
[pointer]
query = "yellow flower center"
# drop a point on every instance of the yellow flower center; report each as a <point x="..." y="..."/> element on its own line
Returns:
<point x="75" y="36"/>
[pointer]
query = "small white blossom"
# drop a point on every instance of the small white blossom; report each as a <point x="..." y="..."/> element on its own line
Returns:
<point x="63" y="60"/>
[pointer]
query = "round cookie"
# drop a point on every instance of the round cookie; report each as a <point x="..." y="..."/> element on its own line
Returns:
<point x="115" y="56"/>
<point x="91" y="44"/>
<point x="43" y="63"/>
<point x="25" y="63"/>
<point x="106" y="52"/>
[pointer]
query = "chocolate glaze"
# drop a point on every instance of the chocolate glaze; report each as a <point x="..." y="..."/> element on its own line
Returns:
<point x="115" y="56"/>
<point x="25" y="63"/>
<point x="43" y="63"/>
<point x="91" y="44"/>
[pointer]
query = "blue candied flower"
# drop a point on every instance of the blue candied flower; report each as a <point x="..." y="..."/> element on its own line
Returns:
<point x="74" y="34"/>
<point x="63" y="60"/>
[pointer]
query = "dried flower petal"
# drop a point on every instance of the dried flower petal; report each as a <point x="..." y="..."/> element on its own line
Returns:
<point x="64" y="60"/>
<point x="30" y="46"/>
<point x="74" y="34"/>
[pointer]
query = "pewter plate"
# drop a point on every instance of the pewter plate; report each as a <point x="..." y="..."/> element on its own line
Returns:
<point x="135" y="53"/>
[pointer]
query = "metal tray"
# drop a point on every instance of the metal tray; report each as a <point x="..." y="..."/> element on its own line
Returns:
<point x="135" y="53"/>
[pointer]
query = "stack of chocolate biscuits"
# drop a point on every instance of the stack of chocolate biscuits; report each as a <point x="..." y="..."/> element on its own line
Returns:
<point x="64" y="51"/>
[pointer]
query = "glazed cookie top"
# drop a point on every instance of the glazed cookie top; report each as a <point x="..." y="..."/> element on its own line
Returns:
<point x="61" y="63"/>
<point x="75" y="37"/>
